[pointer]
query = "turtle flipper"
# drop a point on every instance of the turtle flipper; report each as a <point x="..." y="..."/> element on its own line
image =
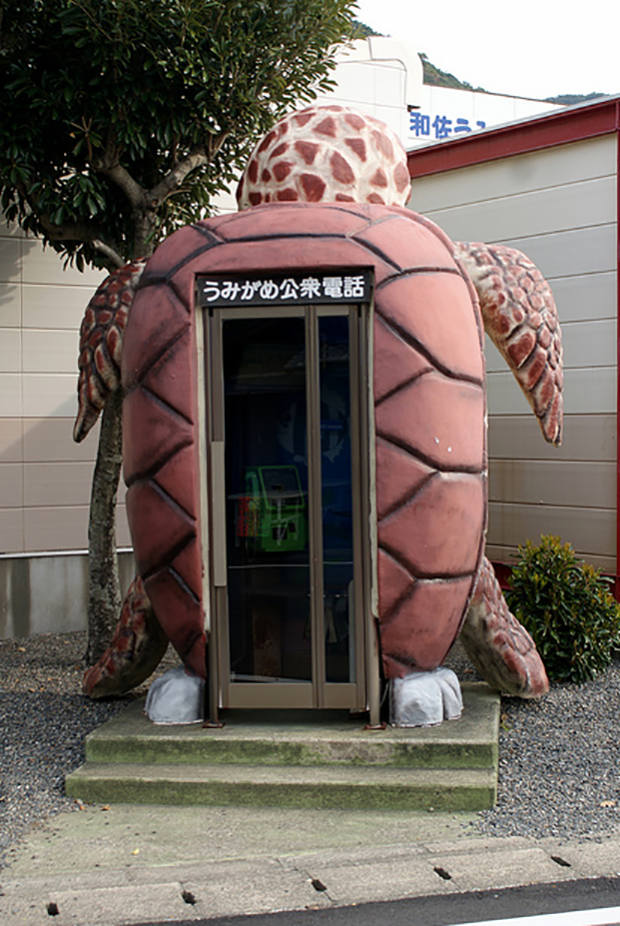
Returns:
<point x="139" y="642"/>
<point x="521" y="318"/>
<point x="137" y="648"/>
<point x="101" y="341"/>
<point x="501" y="649"/>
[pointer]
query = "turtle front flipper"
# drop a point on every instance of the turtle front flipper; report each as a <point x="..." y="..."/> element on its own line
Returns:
<point x="501" y="649"/>
<point x="137" y="648"/>
<point x="101" y="342"/>
<point x="520" y="317"/>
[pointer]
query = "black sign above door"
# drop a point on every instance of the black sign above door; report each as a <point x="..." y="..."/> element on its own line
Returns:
<point x="291" y="288"/>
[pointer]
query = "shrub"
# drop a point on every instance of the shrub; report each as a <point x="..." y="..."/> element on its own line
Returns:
<point x="567" y="607"/>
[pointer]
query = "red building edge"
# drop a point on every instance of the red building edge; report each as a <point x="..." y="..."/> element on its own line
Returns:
<point x="560" y="127"/>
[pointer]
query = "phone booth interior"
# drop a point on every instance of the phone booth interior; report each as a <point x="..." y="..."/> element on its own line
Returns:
<point x="287" y="424"/>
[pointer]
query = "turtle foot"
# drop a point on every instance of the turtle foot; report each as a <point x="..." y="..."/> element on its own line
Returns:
<point x="177" y="696"/>
<point x="137" y="648"/>
<point x="501" y="649"/>
<point x="424" y="699"/>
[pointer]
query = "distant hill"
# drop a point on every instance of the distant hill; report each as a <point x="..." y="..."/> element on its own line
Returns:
<point x="362" y="30"/>
<point x="569" y="99"/>
<point x="435" y="77"/>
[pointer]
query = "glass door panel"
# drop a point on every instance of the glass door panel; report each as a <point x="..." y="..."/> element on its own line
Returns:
<point x="286" y="507"/>
<point x="336" y="498"/>
<point x="267" y="499"/>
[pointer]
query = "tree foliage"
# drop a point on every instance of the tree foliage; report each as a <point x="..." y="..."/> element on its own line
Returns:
<point x="120" y="119"/>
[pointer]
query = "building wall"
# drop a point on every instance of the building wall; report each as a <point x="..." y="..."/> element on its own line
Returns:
<point x="45" y="477"/>
<point x="389" y="86"/>
<point x="558" y="206"/>
<point x="445" y="114"/>
<point x="383" y="86"/>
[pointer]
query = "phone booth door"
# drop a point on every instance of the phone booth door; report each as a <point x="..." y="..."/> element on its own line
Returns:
<point x="287" y="505"/>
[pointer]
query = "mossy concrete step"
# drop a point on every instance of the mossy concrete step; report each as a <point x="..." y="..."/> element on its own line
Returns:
<point x="343" y="788"/>
<point x="312" y="738"/>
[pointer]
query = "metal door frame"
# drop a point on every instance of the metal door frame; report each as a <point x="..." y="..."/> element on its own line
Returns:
<point x="317" y="693"/>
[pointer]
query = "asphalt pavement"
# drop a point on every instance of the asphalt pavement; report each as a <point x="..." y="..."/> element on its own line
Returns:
<point x="567" y="903"/>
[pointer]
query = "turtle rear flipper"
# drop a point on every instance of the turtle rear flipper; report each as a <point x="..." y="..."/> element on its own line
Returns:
<point x="137" y="648"/>
<point x="501" y="649"/>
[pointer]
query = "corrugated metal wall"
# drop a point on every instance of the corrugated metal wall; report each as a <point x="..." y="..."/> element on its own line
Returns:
<point x="44" y="477"/>
<point x="558" y="206"/>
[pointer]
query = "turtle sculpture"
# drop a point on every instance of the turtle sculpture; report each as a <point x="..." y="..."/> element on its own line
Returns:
<point x="342" y="178"/>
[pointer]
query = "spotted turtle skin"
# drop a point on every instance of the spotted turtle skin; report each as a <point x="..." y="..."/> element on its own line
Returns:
<point x="429" y="413"/>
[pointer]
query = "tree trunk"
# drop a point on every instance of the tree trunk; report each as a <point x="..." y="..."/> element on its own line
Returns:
<point x="104" y="599"/>
<point x="144" y="233"/>
<point x="104" y="596"/>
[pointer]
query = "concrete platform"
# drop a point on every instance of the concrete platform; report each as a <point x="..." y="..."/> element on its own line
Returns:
<point x="296" y="759"/>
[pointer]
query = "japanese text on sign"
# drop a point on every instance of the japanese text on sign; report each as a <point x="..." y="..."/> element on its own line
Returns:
<point x="420" y="125"/>
<point x="311" y="287"/>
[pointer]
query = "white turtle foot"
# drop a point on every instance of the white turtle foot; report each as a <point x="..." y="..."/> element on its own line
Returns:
<point x="423" y="699"/>
<point x="176" y="697"/>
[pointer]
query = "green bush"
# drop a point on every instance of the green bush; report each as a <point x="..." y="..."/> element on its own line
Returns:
<point x="567" y="607"/>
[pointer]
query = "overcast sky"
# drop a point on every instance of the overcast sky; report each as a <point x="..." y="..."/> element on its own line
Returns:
<point x="529" y="48"/>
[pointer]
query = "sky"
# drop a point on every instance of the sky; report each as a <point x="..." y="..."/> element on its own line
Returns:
<point x="528" y="48"/>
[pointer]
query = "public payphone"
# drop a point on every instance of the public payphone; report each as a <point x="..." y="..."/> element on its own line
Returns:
<point x="288" y="408"/>
<point x="271" y="516"/>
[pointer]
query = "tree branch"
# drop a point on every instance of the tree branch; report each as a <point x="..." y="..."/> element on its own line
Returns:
<point x="70" y="231"/>
<point x="136" y="194"/>
<point x="174" y="178"/>
<point x="109" y="252"/>
<point x="67" y="231"/>
<point x="196" y="158"/>
<point x="109" y="164"/>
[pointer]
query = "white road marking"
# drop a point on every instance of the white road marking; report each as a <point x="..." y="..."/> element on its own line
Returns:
<point x="606" y="916"/>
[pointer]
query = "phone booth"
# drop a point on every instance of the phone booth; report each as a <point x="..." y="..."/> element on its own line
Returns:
<point x="285" y="401"/>
<point x="305" y="450"/>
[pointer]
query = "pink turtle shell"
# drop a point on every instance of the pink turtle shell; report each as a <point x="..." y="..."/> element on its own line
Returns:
<point x="429" y="408"/>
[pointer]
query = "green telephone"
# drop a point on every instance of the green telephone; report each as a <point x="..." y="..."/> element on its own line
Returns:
<point x="273" y="509"/>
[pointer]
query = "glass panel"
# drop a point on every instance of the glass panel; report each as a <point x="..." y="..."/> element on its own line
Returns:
<point x="337" y="498"/>
<point x="267" y="499"/>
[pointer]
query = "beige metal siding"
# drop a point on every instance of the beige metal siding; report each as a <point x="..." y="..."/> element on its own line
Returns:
<point x="539" y="170"/>
<point x="521" y="215"/>
<point x="558" y="206"/>
<point x="44" y="477"/>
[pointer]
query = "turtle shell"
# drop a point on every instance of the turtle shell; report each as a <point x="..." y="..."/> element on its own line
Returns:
<point x="429" y="413"/>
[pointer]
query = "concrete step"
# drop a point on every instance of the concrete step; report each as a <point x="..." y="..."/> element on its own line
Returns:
<point x="311" y="738"/>
<point x="343" y="788"/>
<point x="312" y="759"/>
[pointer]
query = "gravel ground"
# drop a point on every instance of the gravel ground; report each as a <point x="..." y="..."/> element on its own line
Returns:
<point x="43" y="721"/>
<point x="559" y="758"/>
<point x="559" y="768"/>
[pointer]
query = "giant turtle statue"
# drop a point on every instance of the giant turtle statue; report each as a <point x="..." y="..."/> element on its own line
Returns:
<point x="329" y="185"/>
